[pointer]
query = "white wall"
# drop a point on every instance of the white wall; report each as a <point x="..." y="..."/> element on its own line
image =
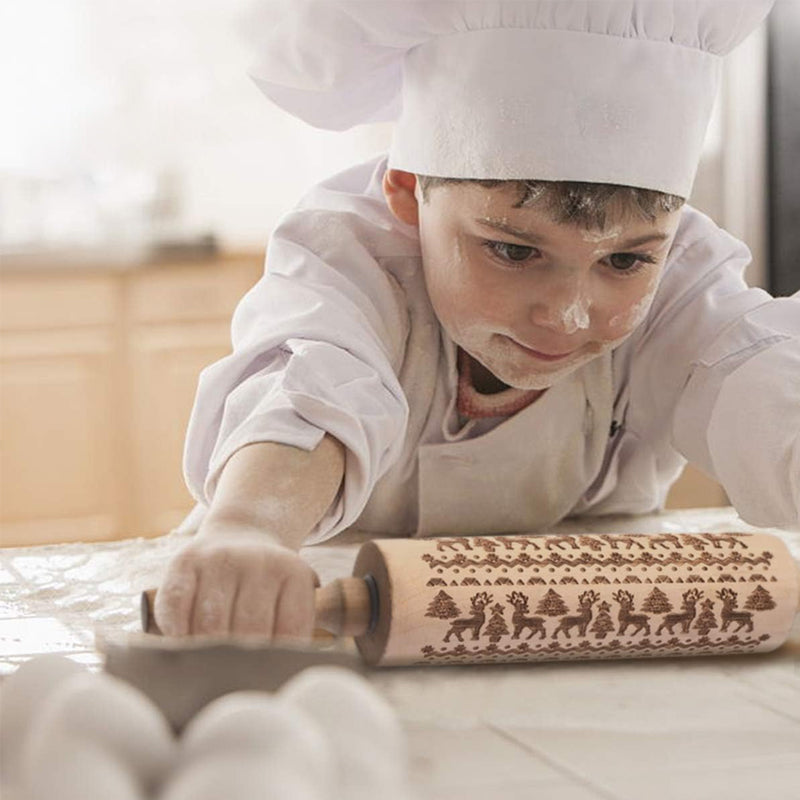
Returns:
<point x="130" y="95"/>
<point x="125" y="116"/>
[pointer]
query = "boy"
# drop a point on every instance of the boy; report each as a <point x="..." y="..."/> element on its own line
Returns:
<point x="514" y="320"/>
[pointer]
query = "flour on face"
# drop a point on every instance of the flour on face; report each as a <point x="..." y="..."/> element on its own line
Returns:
<point x="575" y="317"/>
<point x="601" y="235"/>
<point x="632" y="317"/>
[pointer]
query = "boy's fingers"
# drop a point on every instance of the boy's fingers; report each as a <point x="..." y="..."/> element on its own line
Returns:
<point x="213" y="602"/>
<point x="294" y="615"/>
<point x="174" y="602"/>
<point x="254" y="610"/>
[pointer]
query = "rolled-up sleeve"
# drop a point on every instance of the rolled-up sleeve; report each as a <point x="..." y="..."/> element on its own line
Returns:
<point x="738" y="417"/>
<point x="317" y="345"/>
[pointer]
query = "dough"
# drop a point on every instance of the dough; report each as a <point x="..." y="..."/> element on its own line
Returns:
<point x="21" y="694"/>
<point x="107" y="713"/>
<point x="242" y="776"/>
<point x="77" y="769"/>
<point x="259" y="724"/>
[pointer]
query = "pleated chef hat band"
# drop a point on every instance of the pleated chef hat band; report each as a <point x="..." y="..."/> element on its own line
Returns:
<point x="606" y="91"/>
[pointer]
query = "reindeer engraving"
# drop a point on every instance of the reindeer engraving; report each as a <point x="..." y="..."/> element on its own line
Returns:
<point x="453" y="544"/>
<point x="560" y="541"/>
<point x="695" y="542"/>
<point x="730" y="614"/>
<point x="639" y="621"/>
<point x="582" y="620"/>
<point x="520" y="618"/>
<point x="618" y="539"/>
<point x="665" y="539"/>
<point x="475" y="622"/>
<point x="510" y="542"/>
<point x="591" y="543"/>
<point x="731" y="540"/>
<point x="689" y="606"/>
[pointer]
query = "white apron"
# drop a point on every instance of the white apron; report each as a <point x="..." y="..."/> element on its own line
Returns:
<point x="528" y="472"/>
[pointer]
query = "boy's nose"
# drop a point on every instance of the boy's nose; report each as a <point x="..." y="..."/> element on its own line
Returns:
<point x="564" y="310"/>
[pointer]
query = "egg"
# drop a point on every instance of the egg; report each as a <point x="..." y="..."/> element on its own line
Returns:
<point x="21" y="694"/>
<point x="363" y="728"/>
<point x="103" y="711"/>
<point x="259" y="724"/>
<point x="77" y="769"/>
<point x="244" y="775"/>
<point x="348" y="708"/>
<point x="366" y="773"/>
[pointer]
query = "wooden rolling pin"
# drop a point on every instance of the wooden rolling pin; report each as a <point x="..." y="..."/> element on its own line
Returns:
<point x="540" y="598"/>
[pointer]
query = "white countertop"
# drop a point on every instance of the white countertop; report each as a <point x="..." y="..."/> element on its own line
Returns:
<point x="702" y="728"/>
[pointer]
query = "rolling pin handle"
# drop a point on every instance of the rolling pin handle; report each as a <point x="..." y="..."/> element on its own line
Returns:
<point x="345" y="607"/>
<point x="149" y="624"/>
<point x="374" y="600"/>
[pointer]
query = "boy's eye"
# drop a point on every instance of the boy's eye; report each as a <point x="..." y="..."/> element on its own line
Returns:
<point x="511" y="252"/>
<point x="628" y="262"/>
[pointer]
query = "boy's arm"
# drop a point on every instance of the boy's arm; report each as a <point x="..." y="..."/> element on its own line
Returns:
<point x="739" y="415"/>
<point x="241" y="573"/>
<point x="318" y="345"/>
<point x="279" y="489"/>
<point x="719" y="363"/>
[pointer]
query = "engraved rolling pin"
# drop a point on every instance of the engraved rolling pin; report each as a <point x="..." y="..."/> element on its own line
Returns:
<point x="546" y="598"/>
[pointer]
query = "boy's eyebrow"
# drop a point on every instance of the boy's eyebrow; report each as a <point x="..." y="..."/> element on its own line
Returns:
<point x="504" y="227"/>
<point x="526" y="236"/>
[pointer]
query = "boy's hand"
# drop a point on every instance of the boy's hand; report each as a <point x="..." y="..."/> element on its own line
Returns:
<point x="237" y="580"/>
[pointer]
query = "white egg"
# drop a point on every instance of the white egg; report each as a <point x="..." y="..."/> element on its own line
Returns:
<point x="348" y="708"/>
<point x="242" y="776"/>
<point x="77" y="769"/>
<point x="366" y="773"/>
<point x="363" y="728"/>
<point x="21" y="694"/>
<point x="110" y="714"/>
<point x="260" y="724"/>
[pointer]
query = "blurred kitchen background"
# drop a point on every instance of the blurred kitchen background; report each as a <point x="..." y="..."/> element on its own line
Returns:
<point x="141" y="173"/>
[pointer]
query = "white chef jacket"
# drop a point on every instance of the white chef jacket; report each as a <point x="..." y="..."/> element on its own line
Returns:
<point x="339" y="336"/>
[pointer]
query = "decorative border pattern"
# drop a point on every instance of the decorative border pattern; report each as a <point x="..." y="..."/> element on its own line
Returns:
<point x="656" y="595"/>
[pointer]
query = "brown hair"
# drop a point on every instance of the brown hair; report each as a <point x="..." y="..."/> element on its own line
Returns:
<point x="583" y="204"/>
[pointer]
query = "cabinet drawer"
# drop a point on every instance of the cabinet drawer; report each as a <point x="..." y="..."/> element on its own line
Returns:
<point x="186" y="293"/>
<point x="45" y="301"/>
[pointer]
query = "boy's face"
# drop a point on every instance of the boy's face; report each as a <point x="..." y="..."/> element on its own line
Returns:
<point x="531" y="299"/>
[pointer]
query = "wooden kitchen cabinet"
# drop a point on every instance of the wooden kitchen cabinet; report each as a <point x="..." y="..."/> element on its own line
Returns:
<point x="98" y="372"/>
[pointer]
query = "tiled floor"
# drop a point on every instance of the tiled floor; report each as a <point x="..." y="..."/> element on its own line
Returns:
<point x="705" y="729"/>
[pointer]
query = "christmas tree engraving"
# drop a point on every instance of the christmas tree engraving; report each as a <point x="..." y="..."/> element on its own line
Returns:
<point x="760" y="600"/>
<point x="706" y="621"/>
<point x="552" y="604"/>
<point x="442" y="606"/>
<point x="496" y="628"/>
<point x="603" y="624"/>
<point x="657" y="602"/>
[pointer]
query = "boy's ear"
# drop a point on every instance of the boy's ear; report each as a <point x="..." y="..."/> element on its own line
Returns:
<point x="399" y="188"/>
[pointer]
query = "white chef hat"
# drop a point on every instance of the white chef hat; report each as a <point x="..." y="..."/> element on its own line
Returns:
<point x="605" y="91"/>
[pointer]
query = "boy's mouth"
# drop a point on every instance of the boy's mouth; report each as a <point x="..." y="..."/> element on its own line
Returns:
<point x="539" y="354"/>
